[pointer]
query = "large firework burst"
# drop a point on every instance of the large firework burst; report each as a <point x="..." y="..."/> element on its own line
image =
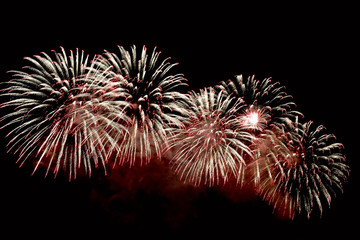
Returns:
<point x="213" y="144"/>
<point x="55" y="117"/>
<point x="314" y="171"/>
<point x="153" y="102"/>
<point x="268" y="109"/>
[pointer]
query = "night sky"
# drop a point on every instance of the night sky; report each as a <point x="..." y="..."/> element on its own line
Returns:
<point x="311" y="52"/>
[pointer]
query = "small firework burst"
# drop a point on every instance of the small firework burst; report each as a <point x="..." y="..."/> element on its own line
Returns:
<point x="152" y="101"/>
<point x="315" y="170"/>
<point x="54" y="115"/>
<point x="213" y="144"/>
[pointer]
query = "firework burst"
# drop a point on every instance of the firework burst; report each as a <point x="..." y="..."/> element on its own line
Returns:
<point x="55" y="113"/>
<point x="213" y="144"/>
<point x="262" y="97"/>
<point x="314" y="171"/>
<point x="153" y="103"/>
<point x="268" y="109"/>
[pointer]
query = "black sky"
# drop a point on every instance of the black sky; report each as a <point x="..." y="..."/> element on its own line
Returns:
<point x="311" y="51"/>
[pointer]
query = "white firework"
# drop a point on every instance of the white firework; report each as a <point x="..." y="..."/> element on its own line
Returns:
<point x="55" y="114"/>
<point x="268" y="110"/>
<point x="315" y="171"/>
<point x="264" y="96"/>
<point x="213" y="144"/>
<point x="152" y="101"/>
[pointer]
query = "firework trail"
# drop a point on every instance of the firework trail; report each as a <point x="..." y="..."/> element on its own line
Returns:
<point x="314" y="172"/>
<point x="55" y="114"/>
<point x="213" y="143"/>
<point x="267" y="109"/>
<point x="153" y="102"/>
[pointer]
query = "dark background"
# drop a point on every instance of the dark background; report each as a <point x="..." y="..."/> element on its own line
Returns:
<point x="309" y="49"/>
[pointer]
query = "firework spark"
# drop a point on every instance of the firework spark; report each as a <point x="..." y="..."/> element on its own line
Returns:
<point x="55" y="114"/>
<point x="255" y="118"/>
<point x="212" y="146"/>
<point x="315" y="170"/>
<point x="153" y="103"/>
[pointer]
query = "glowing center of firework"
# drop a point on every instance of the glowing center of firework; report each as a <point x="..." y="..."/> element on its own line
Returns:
<point x="252" y="119"/>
